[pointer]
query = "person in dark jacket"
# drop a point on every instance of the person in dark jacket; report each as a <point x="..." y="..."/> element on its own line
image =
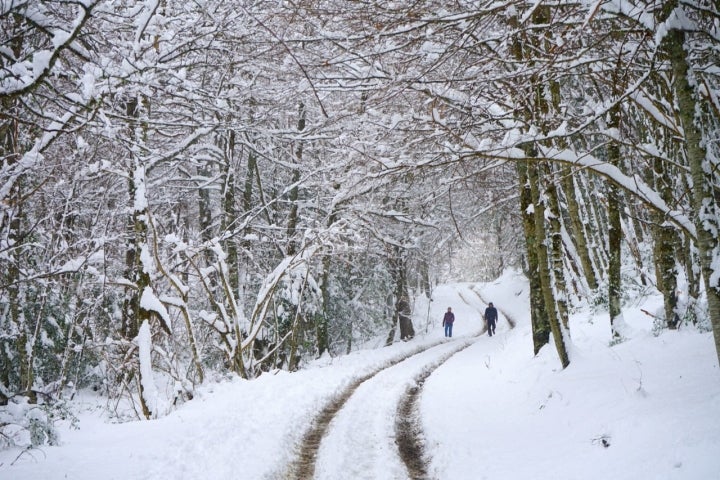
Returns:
<point x="448" y="321"/>
<point x="491" y="316"/>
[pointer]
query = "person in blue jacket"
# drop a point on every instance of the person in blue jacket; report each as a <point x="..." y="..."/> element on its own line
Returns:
<point x="491" y="316"/>
<point x="448" y="321"/>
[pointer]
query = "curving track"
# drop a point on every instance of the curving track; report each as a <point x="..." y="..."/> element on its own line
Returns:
<point x="355" y="437"/>
<point x="371" y="430"/>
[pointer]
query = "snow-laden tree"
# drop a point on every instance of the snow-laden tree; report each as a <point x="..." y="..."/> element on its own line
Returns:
<point x="43" y="95"/>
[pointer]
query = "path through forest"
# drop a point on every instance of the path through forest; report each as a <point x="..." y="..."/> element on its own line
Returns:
<point x="388" y="441"/>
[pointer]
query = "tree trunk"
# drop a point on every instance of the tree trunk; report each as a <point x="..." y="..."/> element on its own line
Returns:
<point x="614" y="232"/>
<point x="688" y="258"/>
<point x="17" y="374"/>
<point x="704" y="198"/>
<point x="322" y="320"/>
<point x="552" y="213"/>
<point x="538" y="314"/>
<point x="136" y="271"/>
<point x="402" y="312"/>
<point x="664" y="247"/>
<point x="140" y="276"/>
<point x="559" y="332"/>
<point x="294" y="190"/>
<point x="578" y="230"/>
<point x="596" y="224"/>
<point x="529" y="202"/>
<point x="629" y="233"/>
<point x="298" y="324"/>
<point x="391" y="313"/>
<point x="204" y="207"/>
<point x="230" y="214"/>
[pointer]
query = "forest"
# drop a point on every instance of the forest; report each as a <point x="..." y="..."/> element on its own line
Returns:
<point x="192" y="190"/>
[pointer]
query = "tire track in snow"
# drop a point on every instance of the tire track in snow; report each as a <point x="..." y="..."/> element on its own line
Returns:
<point x="303" y="468"/>
<point x="408" y="429"/>
<point x="367" y="403"/>
<point x="360" y="443"/>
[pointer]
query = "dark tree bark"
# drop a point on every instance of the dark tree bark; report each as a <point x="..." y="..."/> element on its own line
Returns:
<point x="665" y="239"/>
<point x="552" y="209"/>
<point x="538" y="313"/>
<point x="578" y="230"/>
<point x="614" y="231"/>
<point x="704" y="195"/>
<point x="402" y="314"/>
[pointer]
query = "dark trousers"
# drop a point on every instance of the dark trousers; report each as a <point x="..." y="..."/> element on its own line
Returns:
<point x="448" y="329"/>
<point x="491" y="327"/>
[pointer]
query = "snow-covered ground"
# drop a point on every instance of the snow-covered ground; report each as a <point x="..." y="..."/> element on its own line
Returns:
<point x="648" y="408"/>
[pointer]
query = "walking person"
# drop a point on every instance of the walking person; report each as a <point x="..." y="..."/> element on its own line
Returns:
<point x="448" y="321"/>
<point x="491" y="316"/>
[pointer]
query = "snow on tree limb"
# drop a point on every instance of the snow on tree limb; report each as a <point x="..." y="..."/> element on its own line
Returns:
<point x="632" y="184"/>
<point x="288" y="264"/>
<point x="149" y="391"/>
<point x="150" y="302"/>
<point x="26" y="75"/>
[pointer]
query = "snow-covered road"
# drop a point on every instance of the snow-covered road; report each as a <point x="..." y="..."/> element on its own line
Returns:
<point x="361" y="440"/>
